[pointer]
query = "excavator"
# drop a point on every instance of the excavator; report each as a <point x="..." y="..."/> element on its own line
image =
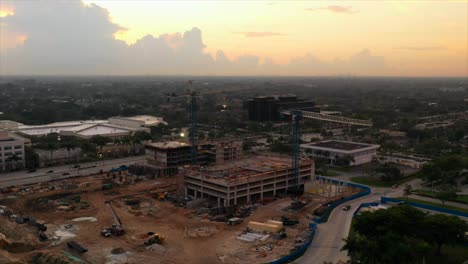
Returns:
<point x="154" y="239"/>
<point x="117" y="229"/>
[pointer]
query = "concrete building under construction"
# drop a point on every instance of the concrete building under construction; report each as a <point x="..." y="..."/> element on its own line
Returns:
<point x="246" y="180"/>
<point x="168" y="156"/>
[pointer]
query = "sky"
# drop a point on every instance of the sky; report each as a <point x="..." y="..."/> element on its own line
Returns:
<point x="287" y="38"/>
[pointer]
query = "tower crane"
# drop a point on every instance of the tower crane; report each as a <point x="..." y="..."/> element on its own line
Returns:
<point x="296" y="117"/>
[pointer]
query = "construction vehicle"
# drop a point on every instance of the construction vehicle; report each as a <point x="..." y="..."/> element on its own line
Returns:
<point x="154" y="239"/>
<point x="74" y="245"/>
<point x="288" y="221"/>
<point x="117" y="229"/>
<point x="235" y="221"/>
<point x="107" y="186"/>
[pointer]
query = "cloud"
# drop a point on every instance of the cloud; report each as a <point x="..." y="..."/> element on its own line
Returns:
<point x="71" y="38"/>
<point x="334" y="9"/>
<point x="421" y="48"/>
<point x="260" y="34"/>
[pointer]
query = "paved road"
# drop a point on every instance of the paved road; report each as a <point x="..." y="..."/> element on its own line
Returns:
<point x="41" y="175"/>
<point x="328" y="240"/>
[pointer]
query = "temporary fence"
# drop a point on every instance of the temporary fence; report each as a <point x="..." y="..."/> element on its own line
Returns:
<point x="384" y="200"/>
<point x="313" y="226"/>
<point x="365" y="190"/>
<point x="363" y="205"/>
<point x="296" y="254"/>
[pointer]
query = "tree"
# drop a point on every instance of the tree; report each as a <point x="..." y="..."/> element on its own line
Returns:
<point x="70" y="145"/>
<point x="138" y="137"/>
<point x="408" y="190"/>
<point x="443" y="229"/>
<point x="344" y="160"/>
<point x="13" y="158"/>
<point x="389" y="172"/>
<point x="51" y="146"/>
<point x="446" y="195"/>
<point x="100" y="141"/>
<point x="31" y="157"/>
<point x="400" y="234"/>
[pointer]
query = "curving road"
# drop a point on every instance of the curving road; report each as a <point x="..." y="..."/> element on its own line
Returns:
<point x="328" y="240"/>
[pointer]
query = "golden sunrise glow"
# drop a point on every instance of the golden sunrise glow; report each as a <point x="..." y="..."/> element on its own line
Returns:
<point x="6" y="11"/>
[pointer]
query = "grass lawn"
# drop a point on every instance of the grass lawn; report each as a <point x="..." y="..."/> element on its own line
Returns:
<point x="460" y="198"/>
<point x="449" y="255"/>
<point x="374" y="181"/>
<point x="434" y="204"/>
<point x="329" y="173"/>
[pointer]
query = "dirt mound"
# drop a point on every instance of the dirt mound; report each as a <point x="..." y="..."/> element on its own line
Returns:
<point x="20" y="238"/>
<point x="200" y="231"/>
<point x="49" y="258"/>
<point x="5" y="258"/>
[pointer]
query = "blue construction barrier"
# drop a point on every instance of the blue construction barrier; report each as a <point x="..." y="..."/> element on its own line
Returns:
<point x="363" y="205"/>
<point x="296" y="254"/>
<point x="365" y="191"/>
<point x="313" y="226"/>
<point x="423" y="206"/>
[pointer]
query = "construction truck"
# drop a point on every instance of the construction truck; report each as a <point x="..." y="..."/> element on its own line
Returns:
<point x="117" y="229"/>
<point x="154" y="239"/>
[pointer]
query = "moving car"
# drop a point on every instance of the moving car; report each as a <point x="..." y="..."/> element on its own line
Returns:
<point x="346" y="208"/>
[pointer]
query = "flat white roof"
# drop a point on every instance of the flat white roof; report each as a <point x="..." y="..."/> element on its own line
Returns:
<point x="148" y="120"/>
<point x="102" y="130"/>
<point x="57" y="127"/>
<point x="168" y="144"/>
<point x="346" y="147"/>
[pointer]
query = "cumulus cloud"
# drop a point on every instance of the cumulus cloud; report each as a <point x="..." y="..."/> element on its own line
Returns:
<point x="250" y="34"/>
<point x="69" y="37"/>
<point x="334" y="9"/>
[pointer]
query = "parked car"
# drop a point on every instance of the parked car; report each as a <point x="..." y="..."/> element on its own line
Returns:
<point x="346" y="208"/>
<point x="65" y="173"/>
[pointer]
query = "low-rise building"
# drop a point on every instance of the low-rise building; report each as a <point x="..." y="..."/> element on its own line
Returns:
<point x="403" y="159"/>
<point x="137" y="121"/>
<point x="246" y="180"/>
<point x="333" y="150"/>
<point x="113" y="127"/>
<point x="168" y="156"/>
<point x="12" y="154"/>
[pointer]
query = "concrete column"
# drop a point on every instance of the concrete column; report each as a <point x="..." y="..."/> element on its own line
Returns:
<point x="261" y="191"/>
<point x="219" y="202"/>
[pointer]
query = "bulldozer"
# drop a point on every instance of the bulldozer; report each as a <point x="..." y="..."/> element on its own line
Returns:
<point x="154" y="239"/>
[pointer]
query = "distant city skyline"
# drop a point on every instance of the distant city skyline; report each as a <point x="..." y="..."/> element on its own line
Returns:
<point x="285" y="38"/>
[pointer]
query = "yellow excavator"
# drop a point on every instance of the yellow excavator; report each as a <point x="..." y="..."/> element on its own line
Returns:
<point x="154" y="239"/>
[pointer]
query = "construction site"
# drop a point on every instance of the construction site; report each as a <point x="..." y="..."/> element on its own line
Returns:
<point x="237" y="212"/>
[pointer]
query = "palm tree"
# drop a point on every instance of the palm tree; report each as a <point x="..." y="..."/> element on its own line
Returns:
<point x="14" y="159"/>
<point x="126" y="140"/>
<point x="51" y="146"/>
<point x="70" y="145"/>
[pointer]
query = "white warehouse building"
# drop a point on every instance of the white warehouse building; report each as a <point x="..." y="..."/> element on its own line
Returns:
<point x="332" y="150"/>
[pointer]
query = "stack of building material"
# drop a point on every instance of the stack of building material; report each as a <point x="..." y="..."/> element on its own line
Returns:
<point x="251" y="237"/>
<point x="266" y="227"/>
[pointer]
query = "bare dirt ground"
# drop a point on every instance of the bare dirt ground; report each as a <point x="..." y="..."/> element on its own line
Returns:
<point x="188" y="238"/>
